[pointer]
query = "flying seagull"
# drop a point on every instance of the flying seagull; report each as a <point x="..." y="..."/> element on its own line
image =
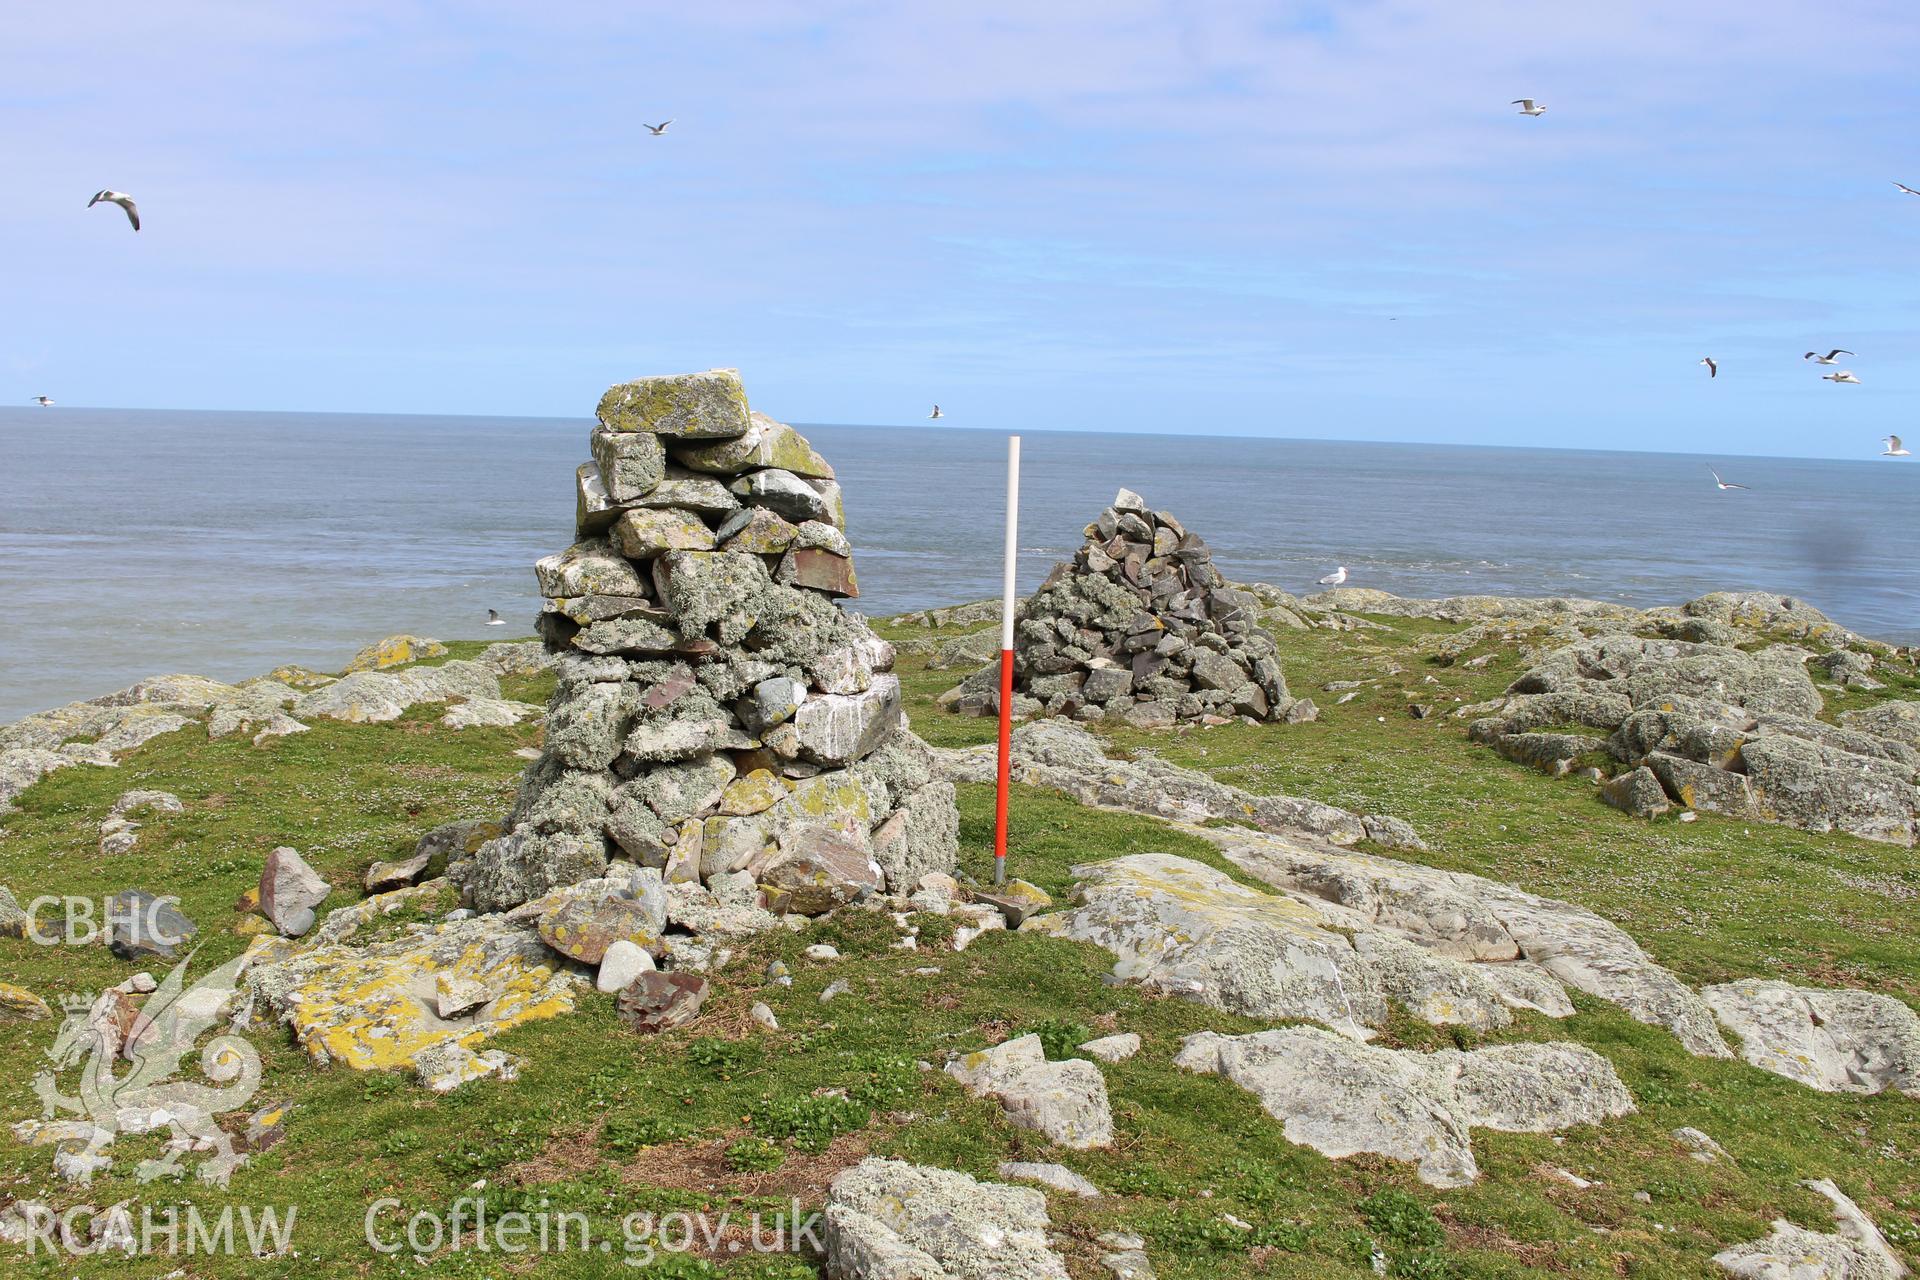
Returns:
<point x="1845" y="375"/>
<point x="1828" y="358"/>
<point x="1724" y="486"/>
<point x="43" y="401"/>
<point x="1713" y="366"/>
<point x="120" y="198"/>
<point x="657" y="129"/>
<point x="1894" y="448"/>
<point x="494" y="619"/>
<point x="936" y="413"/>
<point x="1528" y="107"/>
<point x="1909" y="190"/>
<point x="1335" y="578"/>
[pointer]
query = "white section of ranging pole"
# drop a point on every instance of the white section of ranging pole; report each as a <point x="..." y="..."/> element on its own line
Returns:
<point x="1013" y="542"/>
<point x="1005" y="771"/>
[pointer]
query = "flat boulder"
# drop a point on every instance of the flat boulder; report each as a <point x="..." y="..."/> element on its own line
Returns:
<point x="1836" y="1041"/>
<point x="1343" y="1098"/>
<point x="889" y="1220"/>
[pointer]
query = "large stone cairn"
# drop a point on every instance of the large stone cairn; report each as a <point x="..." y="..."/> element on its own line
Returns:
<point x="1138" y="625"/>
<point x="718" y="718"/>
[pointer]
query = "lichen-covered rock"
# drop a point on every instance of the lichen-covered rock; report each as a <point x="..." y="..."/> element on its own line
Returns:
<point x="684" y="406"/>
<point x="1065" y="1101"/>
<point x="1831" y="1040"/>
<point x="374" y="1008"/>
<point x="888" y="1220"/>
<point x="1342" y="1098"/>
<point x="1638" y="792"/>
<point x="20" y="1003"/>
<point x="369" y="697"/>
<point x="1063" y="756"/>
<point x="1854" y="1251"/>
<point x="394" y="651"/>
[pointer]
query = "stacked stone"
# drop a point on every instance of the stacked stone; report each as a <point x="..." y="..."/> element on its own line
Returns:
<point x="1139" y="625"/>
<point x="717" y="716"/>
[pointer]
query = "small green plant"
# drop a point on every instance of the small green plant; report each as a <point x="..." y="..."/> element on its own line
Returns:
<point x="722" y="1057"/>
<point x="1060" y="1037"/>
<point x="889" y="1079"/>
<point x="754" y="1155"/>
<point x="624" y="1135"/>
<point x="1403" y="1220"/>
<point x="811" y="1121"/>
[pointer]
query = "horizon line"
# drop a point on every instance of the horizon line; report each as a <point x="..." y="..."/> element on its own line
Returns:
<point x="943" y="425"/>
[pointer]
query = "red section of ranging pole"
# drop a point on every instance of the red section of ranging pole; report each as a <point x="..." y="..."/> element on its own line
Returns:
<point x="1006" y="662"/>
<point x="1006" y="767"/>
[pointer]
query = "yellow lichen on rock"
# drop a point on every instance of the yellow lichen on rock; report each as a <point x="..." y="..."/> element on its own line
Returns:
<point x="373" y="1008"/>
<point x="393" y="652"/>
<point x="18" y="1002"/>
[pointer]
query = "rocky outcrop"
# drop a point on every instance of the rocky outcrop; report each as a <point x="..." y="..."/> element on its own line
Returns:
<point x="97" y="731"/>
<point x="716" y="713"/>
<point x="1139" y="626"/>
<point x="1349" y="935"/>
<point x="889" y="1220"/>
<point x="1854" y="1251"/>
<point x="1837" y="1041"/>
<point x="1065" y="757"/>
<point x="1342" y="1098"/>
<point x="1714" y="728"/>
<point x="1514" y="935"/>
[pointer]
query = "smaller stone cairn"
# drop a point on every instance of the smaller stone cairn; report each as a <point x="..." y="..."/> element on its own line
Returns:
<point x="718" y="720"/>
<point x="1141" y="626"/>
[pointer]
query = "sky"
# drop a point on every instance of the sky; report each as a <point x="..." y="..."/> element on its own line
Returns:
<point x="1291" y="219"/>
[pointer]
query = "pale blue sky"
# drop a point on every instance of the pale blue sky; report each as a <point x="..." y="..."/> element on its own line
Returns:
<point x="1306" y="219"/>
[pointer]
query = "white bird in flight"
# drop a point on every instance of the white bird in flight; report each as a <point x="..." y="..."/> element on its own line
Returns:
<point x="1828" y="358"/>
<point x="1335" y="578"/>
<point x="43" y="401"/>
<point x="1723" y="485"/>
<point x="494" y="619"/>
<point x="120" y="198"/>
<point x="1528" y="107"/>
<point x="1909" y="190"/>
<point x="1845" y="375"/>
<point x="1713" y="366"/>
<point x="1894" y="448"/>
<point x="657" y="129"/>
<point x="936" y="413"/>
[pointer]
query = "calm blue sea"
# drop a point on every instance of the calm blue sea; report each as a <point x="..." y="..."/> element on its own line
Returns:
<point x="133" y="543"/>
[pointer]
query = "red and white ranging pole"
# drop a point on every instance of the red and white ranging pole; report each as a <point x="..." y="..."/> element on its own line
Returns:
<point x="1006" y="662"/>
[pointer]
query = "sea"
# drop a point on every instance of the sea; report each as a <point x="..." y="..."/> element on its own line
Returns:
<point x="134" y="543"/>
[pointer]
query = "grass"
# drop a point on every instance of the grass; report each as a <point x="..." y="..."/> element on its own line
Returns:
<point x="723" y="1115"/>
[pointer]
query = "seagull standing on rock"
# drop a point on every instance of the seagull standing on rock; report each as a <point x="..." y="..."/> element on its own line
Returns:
<point x="1894" y="448"/>
<point x="1713" y="366"/>
<point x="1828" y="358"/>
<point x="1845" y="375"/>
<point x="1528" y="107"/>
<point x="1722" y="484"/>
<point x="1335" y="578"/>
<point x="120" y="198"/>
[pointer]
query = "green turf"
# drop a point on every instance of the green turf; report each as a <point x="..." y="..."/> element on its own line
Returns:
<point x="722" y="1115"/>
